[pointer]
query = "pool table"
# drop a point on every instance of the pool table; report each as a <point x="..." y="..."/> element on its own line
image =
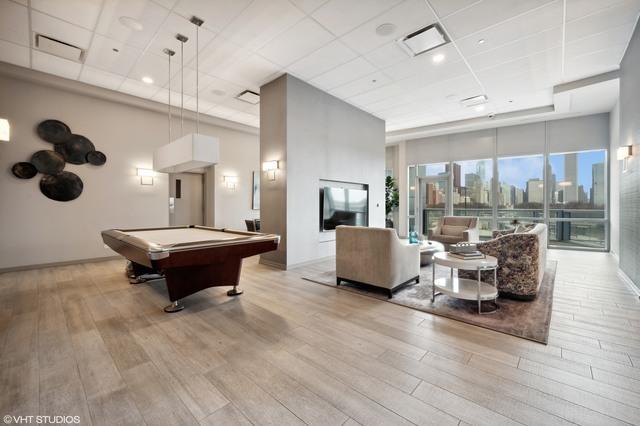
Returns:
<point x="190" y="258"/>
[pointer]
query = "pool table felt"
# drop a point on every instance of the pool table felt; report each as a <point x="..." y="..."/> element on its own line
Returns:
<point x="170" y="237"/>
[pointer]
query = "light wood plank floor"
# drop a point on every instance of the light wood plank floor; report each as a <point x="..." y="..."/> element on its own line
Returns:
<point x="79" y="340"/>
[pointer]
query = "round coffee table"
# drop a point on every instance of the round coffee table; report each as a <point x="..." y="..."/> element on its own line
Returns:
<point x="427" y="250"/>
<point x="464" y="288"/>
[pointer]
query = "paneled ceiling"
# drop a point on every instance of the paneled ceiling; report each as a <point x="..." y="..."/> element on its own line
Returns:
<point x="514" y="51"/>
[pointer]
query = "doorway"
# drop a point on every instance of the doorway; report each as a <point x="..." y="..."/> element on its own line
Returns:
<point x="186" y="199"/>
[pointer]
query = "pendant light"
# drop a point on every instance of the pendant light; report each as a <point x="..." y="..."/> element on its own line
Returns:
<point x="193" y="151"/>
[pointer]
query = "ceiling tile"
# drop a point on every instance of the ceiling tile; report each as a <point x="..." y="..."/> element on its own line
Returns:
<point x="219" y="90"/>
<point x="154" y="66"/>
<point x="14" y="54"/>
<point x="544" y="18"/>
<point x="322" y="60"/>
<point x="219" y="54"/>
<point x="102" y="56"/>
<point x="364" y="84"/>
<point x="216" y="15"/>
<point x="250" y="73"/>
<point x="408" y="16"/>
<point x="424" y="65"/>
<point x="298" y="41"/>
<point x="55" y="65"/>
<point x="342" y="16"/>
<point x="387" y="55"/>
<point x="148" y="13"/>
<point x="308" y="6"/>
<point x="100" y="78"/>
<point x="344" y="73"/>
<point x="222" y="112"/>
<point x="14" y="23"/>
<point x="446" y="7"/>
<point x="166" y="38"/>
<point x="59" y="30"/>
<point x="261" y="21"/>
<point x="518" y="49"/>
<point x="167" y="4"/>
<point x="611" y="39"/>
<point x="83" y="13"/>
<point x="621" y="14"/>
<point x="593" y="63"/>
<point x="581" y="8"/>
<point x="189" y="79"/>
<point x="484" y="14"/>
<point x="162" y="95"/>
<point x="138" y="88"/>
<point x="545" y="62"/>
<point x="377" y="96"/>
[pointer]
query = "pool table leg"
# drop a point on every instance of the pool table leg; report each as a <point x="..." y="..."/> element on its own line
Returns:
<point x="174" y="307"/>
<point x="235" y="291"/>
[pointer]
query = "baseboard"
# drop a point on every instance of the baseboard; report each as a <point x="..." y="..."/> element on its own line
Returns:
<point x="272" y="264"/>
<point x="310" y="262"/>
<point x="629" y="282"/>
<point x="54" y="264"/>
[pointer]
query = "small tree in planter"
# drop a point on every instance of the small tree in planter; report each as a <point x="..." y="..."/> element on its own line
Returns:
<point x="391" y="199"/>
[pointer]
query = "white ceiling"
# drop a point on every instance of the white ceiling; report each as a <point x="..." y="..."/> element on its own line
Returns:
<point x="530" y="46"/>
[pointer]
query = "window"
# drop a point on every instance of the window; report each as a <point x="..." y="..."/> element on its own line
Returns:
<point x="577" y="199"/>
<point x="472" y="195"/>
<point x="520" y="190"/>
<point x="424" y="170"/>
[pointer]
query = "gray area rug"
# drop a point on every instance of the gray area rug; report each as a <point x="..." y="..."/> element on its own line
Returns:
<point x="526" y="319"/>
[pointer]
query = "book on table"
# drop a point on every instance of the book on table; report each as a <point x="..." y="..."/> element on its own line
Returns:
<point x="468" y="256"/>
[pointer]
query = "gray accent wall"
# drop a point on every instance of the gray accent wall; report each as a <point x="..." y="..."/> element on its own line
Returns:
<point x="630" y="180"/>
<point x="314" y="136"/>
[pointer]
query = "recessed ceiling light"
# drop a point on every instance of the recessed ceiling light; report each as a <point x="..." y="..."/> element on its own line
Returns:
<point x="147" y="79"/>
<point x="249" y="96"/>
<point x="481" y="41"/>
<point x="385" y="29"/>
<point x="479" y="108"/>
<point x="438" y="58"/>
<point x="424" y="40"/>
<point x="131" y="23"/>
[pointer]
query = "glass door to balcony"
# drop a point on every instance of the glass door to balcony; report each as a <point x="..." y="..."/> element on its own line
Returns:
<point x="431" y="203"/>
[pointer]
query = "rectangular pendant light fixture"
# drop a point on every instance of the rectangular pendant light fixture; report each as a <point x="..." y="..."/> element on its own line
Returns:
<point x="192" y="151"/>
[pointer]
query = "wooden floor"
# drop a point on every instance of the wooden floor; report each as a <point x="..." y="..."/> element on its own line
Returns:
<point x="79" y="340"/>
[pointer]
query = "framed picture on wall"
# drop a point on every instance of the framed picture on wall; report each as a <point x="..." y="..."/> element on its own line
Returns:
<point x="255" y="200"/>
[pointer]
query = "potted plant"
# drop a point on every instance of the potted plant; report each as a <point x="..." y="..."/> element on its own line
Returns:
<point x="391" y="199"/>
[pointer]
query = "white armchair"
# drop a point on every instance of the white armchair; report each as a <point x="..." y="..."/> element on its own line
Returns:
<point x="375" y="256"/>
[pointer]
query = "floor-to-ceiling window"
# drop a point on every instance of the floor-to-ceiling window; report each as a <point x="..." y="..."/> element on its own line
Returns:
<point x="520" y="190"/>
<point x="433" y="196"/>
<point x="577" y="195"/>
<point x="472" y="194"/>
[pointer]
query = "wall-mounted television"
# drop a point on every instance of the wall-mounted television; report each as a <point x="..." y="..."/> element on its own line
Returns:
<point x="342" y="205"/>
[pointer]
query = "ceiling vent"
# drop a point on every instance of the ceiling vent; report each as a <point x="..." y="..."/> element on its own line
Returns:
<point x="59" y="48"/>
<point x="475" y="100"/>
<point x="249" y="96"/>
<point x="424" y="40"/>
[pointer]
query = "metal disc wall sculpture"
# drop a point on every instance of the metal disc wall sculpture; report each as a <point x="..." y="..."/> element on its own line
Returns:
<point x="57" y="183"/>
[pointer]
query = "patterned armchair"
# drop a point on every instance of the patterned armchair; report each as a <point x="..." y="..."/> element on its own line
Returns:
<point x="521" y="258"/>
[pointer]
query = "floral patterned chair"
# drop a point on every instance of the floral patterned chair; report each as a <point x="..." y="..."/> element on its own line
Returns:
<point x="522" y="256"/>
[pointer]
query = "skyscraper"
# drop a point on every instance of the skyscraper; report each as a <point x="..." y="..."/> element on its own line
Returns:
<point x="597" y="185"/>
<point x="535" y="191"/>
<point x="570" y="183"/>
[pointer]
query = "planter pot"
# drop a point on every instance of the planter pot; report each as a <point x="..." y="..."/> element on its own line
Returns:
<point x="389" y="223"/>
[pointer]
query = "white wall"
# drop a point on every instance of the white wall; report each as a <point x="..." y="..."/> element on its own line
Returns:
<point x="324" y="138"/>
<point x="37" y="230"/>
<point x="614" y="181"/>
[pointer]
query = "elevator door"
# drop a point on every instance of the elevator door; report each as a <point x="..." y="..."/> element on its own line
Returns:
<point x="186" y="205"/>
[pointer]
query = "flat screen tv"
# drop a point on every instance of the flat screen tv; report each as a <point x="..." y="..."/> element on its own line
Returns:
<point x="343" y="206"/>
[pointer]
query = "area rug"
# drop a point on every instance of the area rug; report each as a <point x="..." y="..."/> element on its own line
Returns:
<point x="526" y="319"/>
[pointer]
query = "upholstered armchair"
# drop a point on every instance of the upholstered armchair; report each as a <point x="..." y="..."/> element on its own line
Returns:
<point x="455" y="229"/>
<point x="375" y="256"/>
<point x="521" y="258"/>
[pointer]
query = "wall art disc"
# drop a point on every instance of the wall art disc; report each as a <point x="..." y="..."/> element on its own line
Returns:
<point x="96" y="158"/>
<point x="48" y="162"/>
<point x="54" y="131"/>
<point x="65" y="186"/>
<point x="24" y="170"/>
<point x="75" y="149"/>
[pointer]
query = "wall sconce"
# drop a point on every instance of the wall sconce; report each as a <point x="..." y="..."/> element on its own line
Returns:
<point x="146" y="176"/>
<point x="270" y="168"/>
<point x="230" y="181"/>
<point x="5" y="130"/>
<point x="624" y="153"/>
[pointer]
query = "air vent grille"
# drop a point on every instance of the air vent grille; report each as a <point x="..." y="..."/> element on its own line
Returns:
<point x="59" y="48"/>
